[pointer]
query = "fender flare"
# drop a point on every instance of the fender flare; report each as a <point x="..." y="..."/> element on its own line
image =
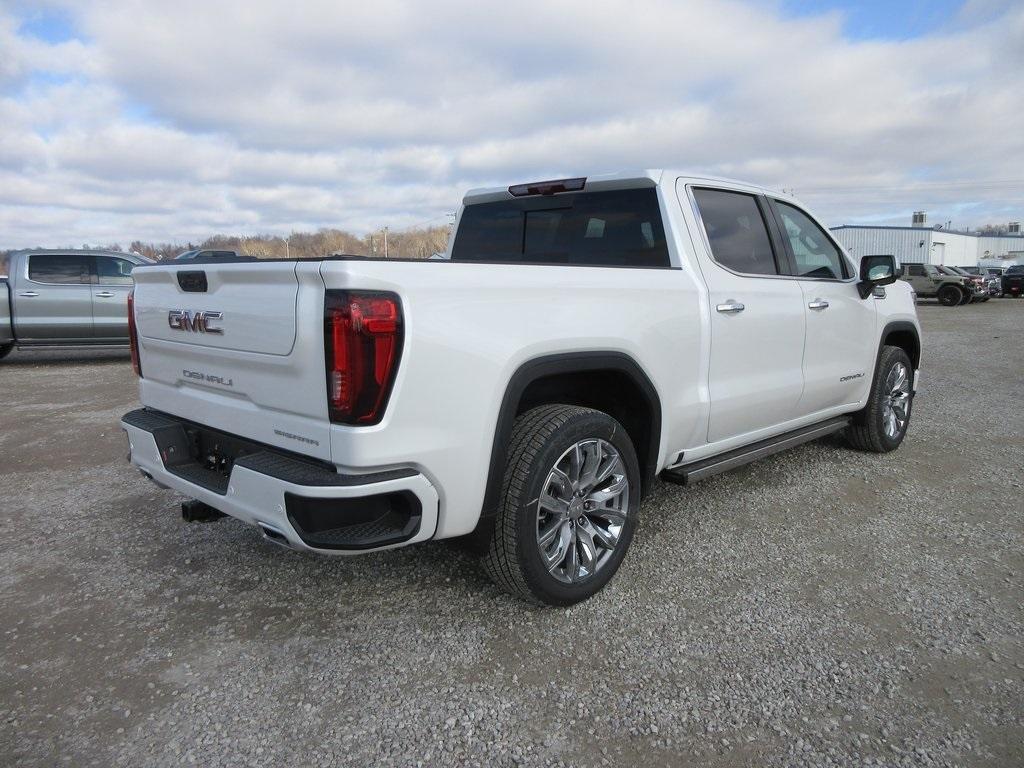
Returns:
<point x="901" y="326"/>
<point x="549" y="365"/>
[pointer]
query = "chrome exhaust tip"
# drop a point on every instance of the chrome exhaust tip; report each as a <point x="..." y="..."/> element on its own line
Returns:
<point x="275" y="535"/>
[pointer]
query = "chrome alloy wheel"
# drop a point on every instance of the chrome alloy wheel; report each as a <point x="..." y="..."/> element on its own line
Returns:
<point x="582" y="510"/>
<point x="896" y="405"/>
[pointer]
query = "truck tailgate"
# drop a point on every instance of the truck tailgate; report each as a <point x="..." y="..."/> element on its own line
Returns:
<point x="221" y="344"/>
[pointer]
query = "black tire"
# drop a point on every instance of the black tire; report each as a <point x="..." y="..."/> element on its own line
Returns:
<point x="950" y="296"/>
<point x="967" y="299"/>
<point x="5" y="350"/>
<point x="539" y="438"/>
<point x="867" y="431"/>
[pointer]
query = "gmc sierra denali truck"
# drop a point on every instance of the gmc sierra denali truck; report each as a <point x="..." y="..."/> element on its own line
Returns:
<point x="582" y="338"/>
<point x="66" y="298"/>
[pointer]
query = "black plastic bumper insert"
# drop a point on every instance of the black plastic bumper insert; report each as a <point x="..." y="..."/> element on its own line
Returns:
<point x="362" y="522"/>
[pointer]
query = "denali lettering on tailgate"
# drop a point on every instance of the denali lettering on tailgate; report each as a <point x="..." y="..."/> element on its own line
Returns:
<point x="208" y="377"/>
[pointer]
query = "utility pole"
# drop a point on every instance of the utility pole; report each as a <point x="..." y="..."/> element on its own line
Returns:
<point x="385" y="242"/>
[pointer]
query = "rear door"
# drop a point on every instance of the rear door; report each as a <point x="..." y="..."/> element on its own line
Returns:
<point x="53" y="299"/>
<point x="112" y="282"/>
<point x="839" y="351"/>
<point x="757" y="317"/>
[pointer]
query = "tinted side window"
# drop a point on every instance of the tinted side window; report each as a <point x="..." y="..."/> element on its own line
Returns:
<point x="111" y="271"/>
<point x="615" y="228"/>
<point x="64" y="269"/>
<point x="915" y="270"/>
<point x="814" y="255"/>
<point x="736" y="230"/>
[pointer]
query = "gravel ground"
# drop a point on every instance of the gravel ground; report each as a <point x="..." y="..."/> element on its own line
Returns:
<point x="822" y="607"/>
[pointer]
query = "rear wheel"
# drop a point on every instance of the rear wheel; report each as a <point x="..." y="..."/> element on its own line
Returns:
<point x="5" y="350"/>
<point x="950" y="296"/>
<point x="569" y="505"/>
<point x="881" y="426"/>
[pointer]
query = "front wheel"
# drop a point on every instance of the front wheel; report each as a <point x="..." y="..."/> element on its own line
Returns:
<point x="881" y="426"/>
<point x="570" y="495"/>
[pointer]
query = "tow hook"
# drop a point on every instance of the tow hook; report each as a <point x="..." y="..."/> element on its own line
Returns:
<point x="194" y="511"/>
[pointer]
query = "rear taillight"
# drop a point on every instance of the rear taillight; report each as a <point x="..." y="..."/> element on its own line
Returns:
<point x="362" y="345"/>
<point x="133" y="335"/>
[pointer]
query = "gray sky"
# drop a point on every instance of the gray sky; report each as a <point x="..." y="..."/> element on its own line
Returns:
<point x="177" y="120"/>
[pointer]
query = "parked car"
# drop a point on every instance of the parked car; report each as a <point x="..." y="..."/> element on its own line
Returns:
<point x="526" y="391"/>
<point x="995" y="275"/>
<point x="992" y="276"/>
<point x="929" y="281"/>
<point x="979" y="284"/>
<point x="66" y="298"/>
<point x="213" y="254"/>
<point x="1013" y="281"/>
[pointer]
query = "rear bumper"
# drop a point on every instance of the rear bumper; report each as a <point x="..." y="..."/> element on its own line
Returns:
<point x="302" y="504"/>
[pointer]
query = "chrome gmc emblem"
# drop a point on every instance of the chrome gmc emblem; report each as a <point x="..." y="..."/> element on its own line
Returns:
<point x="198" y="322"/>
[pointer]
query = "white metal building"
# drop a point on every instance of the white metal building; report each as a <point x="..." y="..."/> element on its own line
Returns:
<point x="925" y="245"/>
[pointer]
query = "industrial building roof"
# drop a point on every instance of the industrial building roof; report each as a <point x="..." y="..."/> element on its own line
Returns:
<point x="928" y="229"/>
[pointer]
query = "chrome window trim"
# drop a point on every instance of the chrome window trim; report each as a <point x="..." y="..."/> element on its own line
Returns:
<point x="752" y="193"/>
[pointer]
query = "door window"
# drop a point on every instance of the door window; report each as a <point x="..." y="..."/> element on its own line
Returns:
<point x="814" y="255"/>
<point x="736" y="231"/>
<point x="915" y="270"/>
<point x="111" y="271"/>
<point x="59" y="269"/>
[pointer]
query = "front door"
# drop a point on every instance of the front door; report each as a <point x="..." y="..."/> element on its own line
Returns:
<point x="840" y="349"/>
<point x="53" y="300"/>
<point x="757" y="317"/>
<point x="112" y="284"/>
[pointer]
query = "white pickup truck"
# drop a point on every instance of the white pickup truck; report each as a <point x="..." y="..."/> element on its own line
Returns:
<point x="582" y="338"/>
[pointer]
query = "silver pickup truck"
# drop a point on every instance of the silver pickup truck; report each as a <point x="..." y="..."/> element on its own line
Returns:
<point x="66" y="298"/>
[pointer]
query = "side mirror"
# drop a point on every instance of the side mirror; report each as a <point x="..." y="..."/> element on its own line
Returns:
<point x="876" y="271"/>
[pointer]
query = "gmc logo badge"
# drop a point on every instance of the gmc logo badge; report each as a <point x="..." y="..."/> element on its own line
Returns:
<point x="198" y="322"/>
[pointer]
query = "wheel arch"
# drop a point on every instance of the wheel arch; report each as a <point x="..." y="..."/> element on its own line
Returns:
<point x="903" y="334"/>
<point x="612" y="382"/>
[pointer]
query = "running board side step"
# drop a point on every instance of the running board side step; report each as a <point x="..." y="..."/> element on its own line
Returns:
<point x="685" y="474"/>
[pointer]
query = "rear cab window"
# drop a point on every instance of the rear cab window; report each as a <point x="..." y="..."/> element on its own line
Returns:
<point x="620" y="227"/>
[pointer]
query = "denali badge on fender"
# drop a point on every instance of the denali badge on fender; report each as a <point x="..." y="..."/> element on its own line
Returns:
<point x="200" y="322"/>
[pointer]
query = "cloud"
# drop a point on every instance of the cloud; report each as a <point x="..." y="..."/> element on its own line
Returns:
<point x="175" y="120"/>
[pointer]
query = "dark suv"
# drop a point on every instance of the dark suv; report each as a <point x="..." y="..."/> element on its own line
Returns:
<point x="1013" y="281"/>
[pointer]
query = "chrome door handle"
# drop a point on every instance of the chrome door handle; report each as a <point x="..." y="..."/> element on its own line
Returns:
<point x="28" y="293"/>
<point x="105" y="295"/>
<point x="730" y="307"/>
<point x="818" y="304"/>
